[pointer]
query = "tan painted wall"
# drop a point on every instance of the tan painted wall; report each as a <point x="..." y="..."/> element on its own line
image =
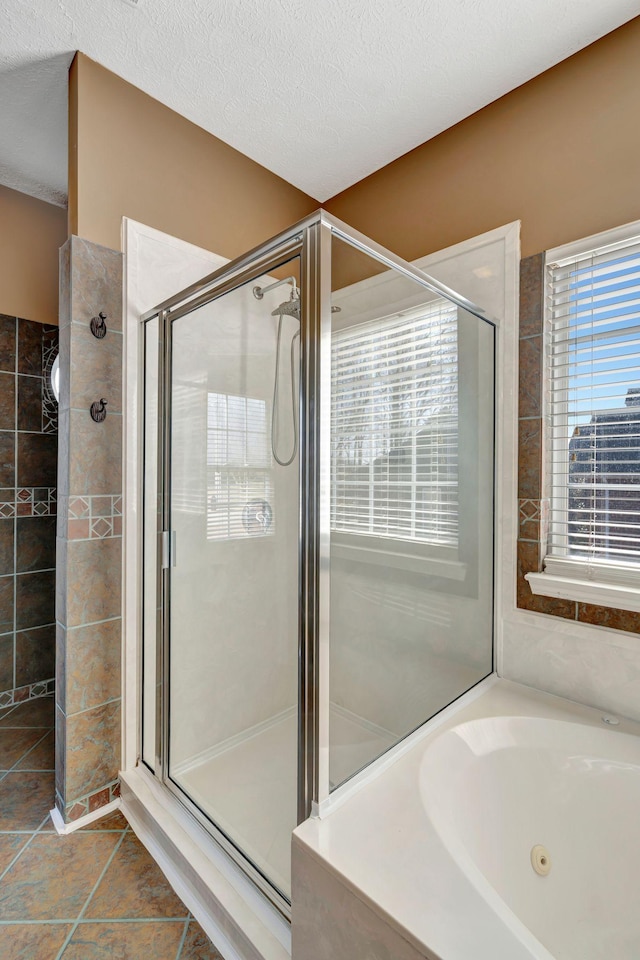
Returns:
<point x="31" y="232"/>
<point x="135" y="157"/>
<point x="561" y="153"/>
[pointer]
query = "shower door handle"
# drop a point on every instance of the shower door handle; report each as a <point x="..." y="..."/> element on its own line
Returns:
<point x="168" y="549"/>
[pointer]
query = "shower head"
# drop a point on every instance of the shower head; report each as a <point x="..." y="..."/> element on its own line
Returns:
<point x="289" y="308"/>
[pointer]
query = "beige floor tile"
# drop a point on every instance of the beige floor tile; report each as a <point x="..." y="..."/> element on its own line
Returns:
<point x="197" y="945"/>
<point x="32" y="941"/>
<point x="25" y="799"/>
<point x="10" y="845"/>
<point x="134" y="887"/>
<point x="54" y="876"/>
<point x="113" y="821"/>
<point x="125" y="941"/>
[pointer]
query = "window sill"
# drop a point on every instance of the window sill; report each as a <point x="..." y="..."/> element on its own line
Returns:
<point x="585" y="591"/>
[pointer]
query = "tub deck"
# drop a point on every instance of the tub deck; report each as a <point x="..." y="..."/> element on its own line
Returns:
<point x="389" y="867"/>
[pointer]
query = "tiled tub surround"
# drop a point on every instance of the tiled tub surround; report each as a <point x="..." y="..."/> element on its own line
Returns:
<point x="89" y="566"/>
<point x="28" y="466"/>
<point x="533" y="482"/>
<point x="96" y="893"/>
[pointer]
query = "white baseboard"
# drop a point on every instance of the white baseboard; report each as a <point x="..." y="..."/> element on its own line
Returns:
<point x="64" y="828"/>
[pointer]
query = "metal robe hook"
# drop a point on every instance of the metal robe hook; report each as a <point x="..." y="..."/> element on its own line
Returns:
<point x="98" y="410"/>
<point x="98" y="326"/>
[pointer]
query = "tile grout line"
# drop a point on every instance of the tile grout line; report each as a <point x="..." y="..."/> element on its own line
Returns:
<point x="22" y="849"/>
<point x="89" y="920"/>
<point x="13" y="707"/>
<point x="89" y="898"/>
<point x="14" y="769"/>
<point x="33" y="726"/>
<point x="104" y="703"/>
<point x="183" y="937"/>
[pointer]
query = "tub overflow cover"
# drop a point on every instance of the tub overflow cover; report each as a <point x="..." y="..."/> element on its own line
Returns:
<point x="540" y="859"/>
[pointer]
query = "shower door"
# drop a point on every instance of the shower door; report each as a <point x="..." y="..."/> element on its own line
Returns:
<point x="229" y="534"/>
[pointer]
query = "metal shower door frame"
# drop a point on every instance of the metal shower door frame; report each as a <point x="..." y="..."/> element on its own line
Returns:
<point x="297" y="243"/>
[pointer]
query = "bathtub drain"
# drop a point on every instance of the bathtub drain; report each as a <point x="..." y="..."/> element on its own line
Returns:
<point x="540" y="859"/>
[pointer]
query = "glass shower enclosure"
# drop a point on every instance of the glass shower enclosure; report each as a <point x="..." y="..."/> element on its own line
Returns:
<point x="317" y="528"/>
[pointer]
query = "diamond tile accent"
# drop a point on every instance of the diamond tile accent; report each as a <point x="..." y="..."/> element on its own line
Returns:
<point x="7" y="509"/>
<point x="529" y="509"/>
<point x="101" y="527"/>
<point x="79" y="507"/>
<point x="25" y="494"/>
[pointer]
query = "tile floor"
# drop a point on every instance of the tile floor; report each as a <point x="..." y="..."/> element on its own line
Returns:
<point x="93" y="894"/>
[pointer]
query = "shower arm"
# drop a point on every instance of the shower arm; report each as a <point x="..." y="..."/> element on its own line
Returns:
<point x="259" y="292"/>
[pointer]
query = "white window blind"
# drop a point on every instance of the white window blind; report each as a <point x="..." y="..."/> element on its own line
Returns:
<point x="394" y="427"/>
<point x="594" y="310"/>
<point x="239" y="482"/>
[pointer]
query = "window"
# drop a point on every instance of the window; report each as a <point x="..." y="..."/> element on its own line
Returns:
<point x="593" y="321"/>
<point x="394" y="428"/>
<point x="239" y="484"/>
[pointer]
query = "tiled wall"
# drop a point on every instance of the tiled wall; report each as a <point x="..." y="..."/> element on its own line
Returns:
<point x="28" y="463"/>
<point x="89" y="568"/>
<point x="532" y="476"/>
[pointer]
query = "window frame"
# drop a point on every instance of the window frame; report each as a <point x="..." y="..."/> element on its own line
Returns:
<point x="605" y="583"/>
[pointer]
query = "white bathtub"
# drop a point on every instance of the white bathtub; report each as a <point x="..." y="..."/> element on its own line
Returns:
<point x="439" y="844"/>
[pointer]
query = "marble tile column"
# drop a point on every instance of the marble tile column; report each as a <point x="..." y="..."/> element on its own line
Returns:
<point x="89" y="534"/>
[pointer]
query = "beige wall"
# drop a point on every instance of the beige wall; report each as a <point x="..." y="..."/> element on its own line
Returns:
<point x="31" y="232"/>
<point x="561" y="153"/>
<point x="132" y="156"/>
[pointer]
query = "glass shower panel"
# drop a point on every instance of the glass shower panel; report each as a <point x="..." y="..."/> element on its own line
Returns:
<point x="233" y="629"/>
<point x="411" y="582"/>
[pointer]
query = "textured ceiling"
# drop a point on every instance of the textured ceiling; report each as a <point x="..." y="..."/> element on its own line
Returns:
<point x="322" y="92"/>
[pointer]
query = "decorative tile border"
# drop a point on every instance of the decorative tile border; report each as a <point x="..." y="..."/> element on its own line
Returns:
<point x="28" y="502"/>
<point x="94" y="517"/>
<point x="9" y="698"/>
<point x="93" y="801"/>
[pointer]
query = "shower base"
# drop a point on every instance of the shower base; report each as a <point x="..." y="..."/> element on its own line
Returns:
<point x="248" y="788"/>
